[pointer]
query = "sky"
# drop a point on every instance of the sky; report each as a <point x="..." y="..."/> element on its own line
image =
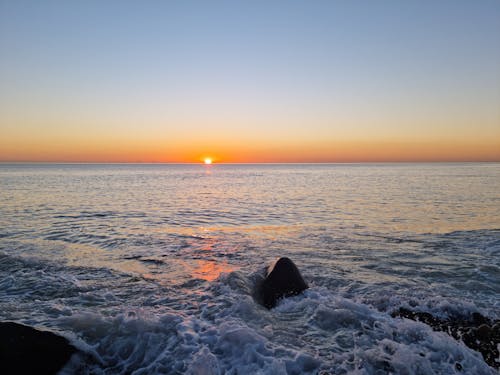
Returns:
<point x="249" y="81"/>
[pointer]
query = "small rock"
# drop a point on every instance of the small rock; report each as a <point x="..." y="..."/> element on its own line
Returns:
<point x="284" y="280"/>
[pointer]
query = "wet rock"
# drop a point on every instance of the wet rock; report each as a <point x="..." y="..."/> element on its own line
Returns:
<point x="483" y="332"/>
<point x="26" y="350"/>
<point x="477" y="332"/>
<point x="478" y="319"/>
<point x="284" y="280"/>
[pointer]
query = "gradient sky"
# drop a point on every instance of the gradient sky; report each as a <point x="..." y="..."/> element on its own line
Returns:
<point x="250" y="81"/>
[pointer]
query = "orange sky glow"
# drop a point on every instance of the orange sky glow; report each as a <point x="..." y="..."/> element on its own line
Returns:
<point x="259" y="152"/>
<point x="302" y="83"/>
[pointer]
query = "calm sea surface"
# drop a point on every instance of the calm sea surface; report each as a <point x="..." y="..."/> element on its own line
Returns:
<point x="152" y="268"/>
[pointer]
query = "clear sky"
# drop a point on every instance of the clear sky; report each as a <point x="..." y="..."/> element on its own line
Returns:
<point x="250" y="81"/>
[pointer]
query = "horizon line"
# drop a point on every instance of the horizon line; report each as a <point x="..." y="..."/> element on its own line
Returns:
<point x="253" y="163"/>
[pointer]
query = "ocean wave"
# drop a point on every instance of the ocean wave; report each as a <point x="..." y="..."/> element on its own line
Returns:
<point x="230" y="333"/>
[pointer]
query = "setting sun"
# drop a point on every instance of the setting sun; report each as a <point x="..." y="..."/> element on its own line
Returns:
<point x="208" y="161"/>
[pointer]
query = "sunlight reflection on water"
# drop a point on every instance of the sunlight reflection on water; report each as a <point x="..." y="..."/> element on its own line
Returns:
<point x="210" y="270"/>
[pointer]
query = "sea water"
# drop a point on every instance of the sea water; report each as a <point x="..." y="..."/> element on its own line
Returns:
<point x="152" y="268"/>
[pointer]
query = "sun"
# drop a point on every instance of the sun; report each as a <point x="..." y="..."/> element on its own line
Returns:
<point x="208" y="161"/>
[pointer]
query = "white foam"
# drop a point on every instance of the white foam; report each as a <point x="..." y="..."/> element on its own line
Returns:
<point x="219" y="328"/>
<point x="127" y="324"/>
<point x="204" y="363"/>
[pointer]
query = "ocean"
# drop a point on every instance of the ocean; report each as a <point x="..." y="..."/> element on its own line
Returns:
<point x="152" y="269"/>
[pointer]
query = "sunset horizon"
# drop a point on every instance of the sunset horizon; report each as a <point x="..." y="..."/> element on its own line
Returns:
<point x="342" y="152"/>
<point x="286" y="82"/>
<point x="267" y="187"/>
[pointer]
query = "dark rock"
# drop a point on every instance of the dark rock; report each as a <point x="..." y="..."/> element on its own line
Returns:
<point x="483" y="332"/>
<point x="478" y="319"/>
<point x="284" y="280"/>
<point x="477" y="332"/>
<point x="26" y="350"/>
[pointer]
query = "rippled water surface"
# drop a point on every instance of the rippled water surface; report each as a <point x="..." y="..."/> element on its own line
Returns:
<point x="152" y="268"/>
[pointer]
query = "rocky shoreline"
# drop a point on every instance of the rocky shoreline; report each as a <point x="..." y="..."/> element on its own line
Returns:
<point x="24" y="349"/>
<point x="477" y="331"/>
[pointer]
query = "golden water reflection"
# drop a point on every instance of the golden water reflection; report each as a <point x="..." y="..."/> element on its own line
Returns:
<point x="210" y="270"/>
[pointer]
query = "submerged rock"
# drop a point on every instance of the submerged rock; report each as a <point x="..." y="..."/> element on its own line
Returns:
<point x="26" y="350"/>
<point x="283" y="280"/>
<point x="477" y="332"/>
